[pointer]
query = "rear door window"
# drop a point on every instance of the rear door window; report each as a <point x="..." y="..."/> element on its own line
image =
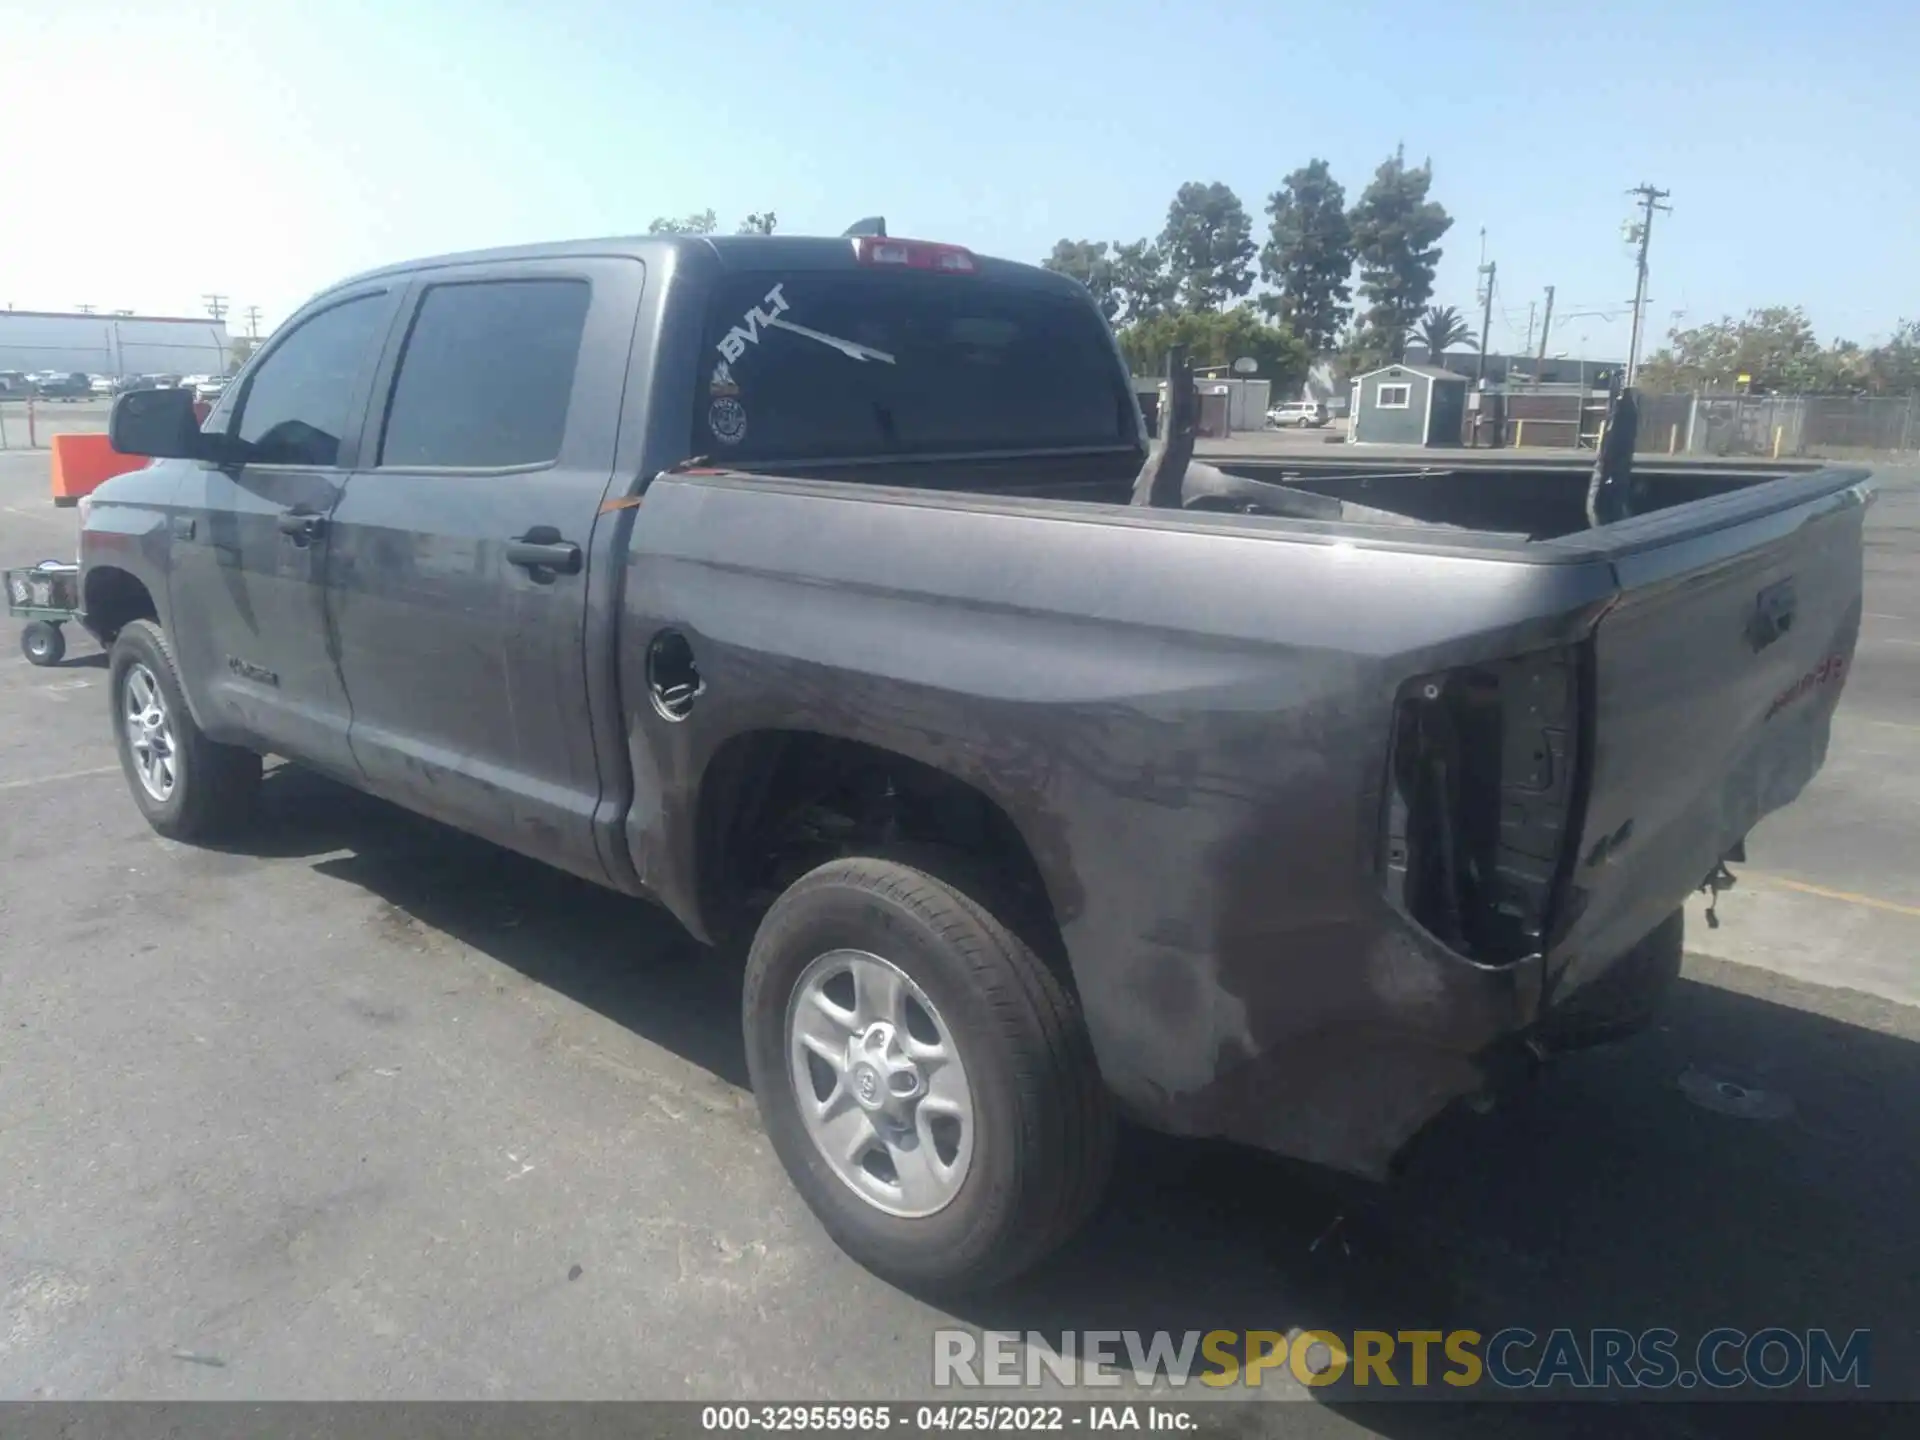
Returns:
<point x="486" y="375"/>
<point x="818" y="365"/>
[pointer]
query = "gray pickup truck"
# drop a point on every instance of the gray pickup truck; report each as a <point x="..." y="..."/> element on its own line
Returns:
<point x="815" y="590"/>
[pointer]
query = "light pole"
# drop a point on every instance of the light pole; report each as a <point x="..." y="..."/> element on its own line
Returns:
<point x="1650" y="199"/>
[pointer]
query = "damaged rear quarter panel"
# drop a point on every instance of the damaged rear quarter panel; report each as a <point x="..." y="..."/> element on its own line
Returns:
<point x="1186" y="717"/>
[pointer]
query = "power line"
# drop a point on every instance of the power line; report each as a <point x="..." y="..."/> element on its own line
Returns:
<point x="1650" y="198"/>
<point x="216" y="305"/>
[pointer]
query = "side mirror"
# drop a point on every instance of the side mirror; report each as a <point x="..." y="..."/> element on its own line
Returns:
<point x="161" y="424"/>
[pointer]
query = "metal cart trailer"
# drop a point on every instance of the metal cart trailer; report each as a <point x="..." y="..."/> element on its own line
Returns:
<point x="47" y="596"/>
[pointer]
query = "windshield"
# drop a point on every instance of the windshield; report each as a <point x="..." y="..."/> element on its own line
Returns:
<point x="815" y="365"/>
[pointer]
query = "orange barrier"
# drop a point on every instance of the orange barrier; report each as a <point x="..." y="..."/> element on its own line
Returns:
<point x="81" y="463"/>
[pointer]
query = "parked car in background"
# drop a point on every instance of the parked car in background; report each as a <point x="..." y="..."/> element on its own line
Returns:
<point x="209" y="387"/>
<point x="69" y="386"/>
<point x="13" y="382"/>
<point x="1303" y="414"/>
<point x="148" y="382"/>
<point x="103" y="384"/>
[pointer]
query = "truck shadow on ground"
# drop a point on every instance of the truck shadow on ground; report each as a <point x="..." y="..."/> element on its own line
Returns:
<point x="91" y="660"/>
<point x="1602" y="1196"/>
<point x="629" y="960"/>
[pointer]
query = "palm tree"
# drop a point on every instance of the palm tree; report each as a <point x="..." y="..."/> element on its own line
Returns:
<point x="1440" y="328"/>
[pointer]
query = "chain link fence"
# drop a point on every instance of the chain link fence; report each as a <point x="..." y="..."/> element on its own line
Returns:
<point x="1820" y="426"/>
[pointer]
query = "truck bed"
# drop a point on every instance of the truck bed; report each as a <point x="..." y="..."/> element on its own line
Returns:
<point x="1468" y="770"/>
<point x="1513" y="494"/>
<point x="1492" y="493"/>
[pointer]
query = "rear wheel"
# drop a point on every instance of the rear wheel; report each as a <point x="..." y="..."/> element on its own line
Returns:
<point x="189" y="787"/>
<point x="42" y="643"/>
<point x="925" y="1078"/>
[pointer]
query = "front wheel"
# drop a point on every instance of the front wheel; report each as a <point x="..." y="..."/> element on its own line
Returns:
<point x="924" y="1077"/>
<point x="42" y="643"/>
<point x="189" y="787"/>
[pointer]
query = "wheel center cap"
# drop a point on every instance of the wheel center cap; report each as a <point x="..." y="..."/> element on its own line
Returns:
<point x="884" y="1081"/>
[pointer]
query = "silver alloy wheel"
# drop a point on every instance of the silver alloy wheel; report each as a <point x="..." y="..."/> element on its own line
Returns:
<point x="150" y="733"/>
<point x="879" y="1083"/>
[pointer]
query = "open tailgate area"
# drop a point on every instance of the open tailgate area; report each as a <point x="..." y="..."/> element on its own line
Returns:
<point x="1714" y="678"/>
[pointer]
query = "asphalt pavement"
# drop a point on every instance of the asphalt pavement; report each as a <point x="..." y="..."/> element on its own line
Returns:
<point x="362" y="1107"/>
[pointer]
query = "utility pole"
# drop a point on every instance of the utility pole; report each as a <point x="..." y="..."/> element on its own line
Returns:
<point x="216" y="305"/>
<point x="253" y="322"/>
<point x="1650" y="198"/>
<point x="84" y="309"/>
<point x="1530" y="309"/>
<point x="1490" y="269"/>
<point x="1546" y="324"/>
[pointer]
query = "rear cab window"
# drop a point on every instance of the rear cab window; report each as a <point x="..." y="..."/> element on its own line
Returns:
<point x="818" y="365"/>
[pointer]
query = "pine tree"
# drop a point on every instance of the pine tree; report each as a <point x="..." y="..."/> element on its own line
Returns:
<point x="1308" y="257"/>
<point x="1208" y="245"/>
<point x="1396" y="238"/>
<point x="1087" y="262"/>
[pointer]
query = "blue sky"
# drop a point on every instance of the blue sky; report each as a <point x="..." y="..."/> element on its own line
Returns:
<point x="247" y="147"/>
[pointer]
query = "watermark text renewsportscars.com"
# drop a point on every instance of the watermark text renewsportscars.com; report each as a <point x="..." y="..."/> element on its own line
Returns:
<point x="1516" y="1358"/>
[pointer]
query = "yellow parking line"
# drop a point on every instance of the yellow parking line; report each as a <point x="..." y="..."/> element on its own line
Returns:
<point x="1850" y="897"/>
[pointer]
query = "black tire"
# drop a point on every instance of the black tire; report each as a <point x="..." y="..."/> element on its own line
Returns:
<point x="1044" y="1124"/>
<point x="214" y="785"/>
<point x="42" y="643"/>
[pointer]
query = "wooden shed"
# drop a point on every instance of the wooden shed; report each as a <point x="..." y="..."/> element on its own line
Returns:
<point x="1407" y="405"/>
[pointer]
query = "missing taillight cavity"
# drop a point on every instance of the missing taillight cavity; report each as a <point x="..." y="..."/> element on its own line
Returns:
<point x="1479" y="795"/>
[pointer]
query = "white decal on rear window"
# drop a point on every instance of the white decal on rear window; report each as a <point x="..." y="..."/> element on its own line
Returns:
<point x="852" y="349"/>
<point x="734" y="343"/>
<point x="767" y="316"/>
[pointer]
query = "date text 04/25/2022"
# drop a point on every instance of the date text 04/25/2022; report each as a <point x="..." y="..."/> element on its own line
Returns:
<point x="937" y="1418"/>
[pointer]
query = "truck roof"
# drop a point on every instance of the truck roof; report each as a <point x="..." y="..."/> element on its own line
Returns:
<point x="734" y="252"/>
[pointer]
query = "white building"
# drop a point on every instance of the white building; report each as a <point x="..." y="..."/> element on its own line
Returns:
<point x="112" y="344"/>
